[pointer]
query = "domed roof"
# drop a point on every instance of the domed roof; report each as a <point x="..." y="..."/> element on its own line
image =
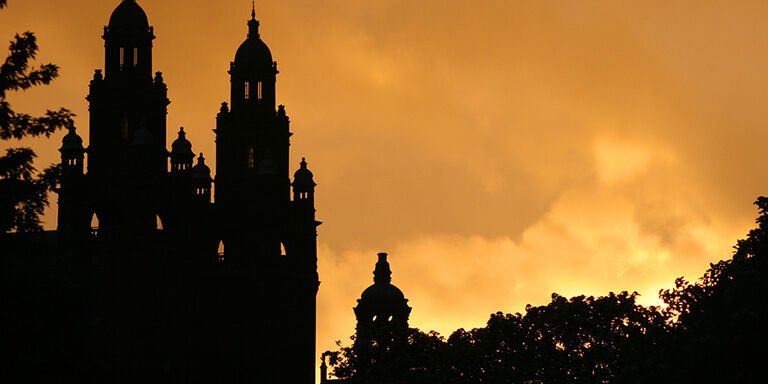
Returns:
<point x="71" y="141"/>
<point x="382" y="293"/>
<point x="303" y="175"/>
<point x="128" y="15"/>
<point x="182" y="146"/>
<point x="201" y="171"/>
<point x="253" y="53"/>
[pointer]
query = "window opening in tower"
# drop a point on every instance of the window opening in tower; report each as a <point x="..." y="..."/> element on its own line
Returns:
<point x="135" y="57"/>
<point x="258" y="90"/>
<point x="251" y="158"/>
<point x="247" y="90"/>
<point x="122" y="57"/>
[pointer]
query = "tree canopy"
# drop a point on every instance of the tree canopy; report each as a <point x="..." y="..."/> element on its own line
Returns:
<point x="24" y="190"/>
<point x="709" y="331"/>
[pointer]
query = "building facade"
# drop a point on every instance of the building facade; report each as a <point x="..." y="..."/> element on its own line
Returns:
<point x="158" y="281"/>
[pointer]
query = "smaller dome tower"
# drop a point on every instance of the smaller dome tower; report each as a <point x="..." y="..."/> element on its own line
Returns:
<point x="382" y="303"/>
<point x="72" y="152"/>
<point x="201" y="180"/>
<point x="181" y="153"/>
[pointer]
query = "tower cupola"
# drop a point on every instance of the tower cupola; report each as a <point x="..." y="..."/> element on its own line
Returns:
<point x="303" y="182"/>
<point x="128" y="16"/>
<point x="382" y="302"/>
<point x="128" y="42"/>
<point x="181" y="153"/>
<point x="201" y="179"/>
<point x="253" y="74"/>
<point x="72" y="151"/>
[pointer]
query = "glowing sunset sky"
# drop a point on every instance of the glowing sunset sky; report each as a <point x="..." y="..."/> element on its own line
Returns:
<point x="498" y="150"/>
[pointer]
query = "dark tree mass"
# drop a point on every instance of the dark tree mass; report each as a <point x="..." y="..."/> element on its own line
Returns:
<point x="24" y="191"/>
<point x="709" y="331"/>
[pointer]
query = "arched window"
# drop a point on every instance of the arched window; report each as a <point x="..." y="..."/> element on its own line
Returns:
<point x="282" y="249"/>
<point x="221" y="251"/>
<point x="159" y="223"/>
<point x="94" y="225"/>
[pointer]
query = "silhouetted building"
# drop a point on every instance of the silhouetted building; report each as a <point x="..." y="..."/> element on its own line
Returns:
<point x="153" y="280"/>
<point x="382" y="317"/>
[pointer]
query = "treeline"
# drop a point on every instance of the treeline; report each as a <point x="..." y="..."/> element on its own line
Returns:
<point x="709" y="331"/>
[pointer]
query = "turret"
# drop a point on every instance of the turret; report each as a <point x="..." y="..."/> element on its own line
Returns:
<point x="382" y="303"/>
<point x="303" y="183"/>
<point x="253" y="74"/>
<point x="128" y="42"/>
<point x="72" y="153"/>
<point x="181" y="153"/>
<point x="201" y="180"/>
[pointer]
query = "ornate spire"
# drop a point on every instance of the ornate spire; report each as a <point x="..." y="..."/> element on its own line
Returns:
<point x="253" y="24"/>
<point x="382" y="274"/>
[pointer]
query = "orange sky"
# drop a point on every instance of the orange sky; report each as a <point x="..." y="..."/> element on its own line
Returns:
<point x="498" y="150"/>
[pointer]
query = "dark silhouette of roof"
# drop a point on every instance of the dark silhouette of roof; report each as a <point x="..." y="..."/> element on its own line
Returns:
<point x="303" y="178"/>
<point x="200" y="170"/>
<point x="128" y="15"/>
<point x="71" y="141"/>
<point x="253" y="53"/>
<point x="181" y="145"/>
<point x="382" y="295"/>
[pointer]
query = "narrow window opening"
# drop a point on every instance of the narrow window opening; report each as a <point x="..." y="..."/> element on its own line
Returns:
<point x="221" y="251"/>
<point x="282" y="249"/>
<point x="159" y="223"/>
<point x="247" y="90"/>
<point x="135" y="57"/>
<point x="251" y="158"/>
<point x="94" y="225"/>
<point x="259" y="93"/>
<point x="122" y="56"/>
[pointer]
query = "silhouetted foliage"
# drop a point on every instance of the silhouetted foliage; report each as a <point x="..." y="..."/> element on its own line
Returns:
<point x="24" y="191"/>
<point x="719" y="321"/>
<point x="584" y="339"/>
<point x="710" y="331"/>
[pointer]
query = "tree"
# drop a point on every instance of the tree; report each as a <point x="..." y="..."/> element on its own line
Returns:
<point x="23" y="190"/>
<point x="577" y="340"/>
<point x="719" y="321"/>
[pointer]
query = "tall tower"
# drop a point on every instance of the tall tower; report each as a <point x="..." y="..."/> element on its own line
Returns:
<point x="269" y="238"/>
<point x="128" y="107"/>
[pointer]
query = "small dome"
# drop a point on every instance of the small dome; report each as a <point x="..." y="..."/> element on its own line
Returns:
<point x="303" y="176"/>
<point x="253" y="53"/>
<point x="182" y="146"/>
<point x="382" y="293"/>
<point x="201" y="171"/>
<point x="71" y="141"/>
<point x="128" y="16"/>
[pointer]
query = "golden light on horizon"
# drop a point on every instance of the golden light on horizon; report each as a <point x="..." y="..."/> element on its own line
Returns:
<point x="498" y="151"/>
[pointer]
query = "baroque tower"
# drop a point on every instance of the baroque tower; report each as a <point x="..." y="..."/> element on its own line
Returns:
<point x="268" y="233"/>
<point x="180" y="287"/>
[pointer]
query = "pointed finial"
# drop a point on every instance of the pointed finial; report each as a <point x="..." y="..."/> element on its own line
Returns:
<point x="303" y="163"/>
<point x="181" y="131"/>
<point x="201" y="159"/>
<point x="253" y="24"/>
